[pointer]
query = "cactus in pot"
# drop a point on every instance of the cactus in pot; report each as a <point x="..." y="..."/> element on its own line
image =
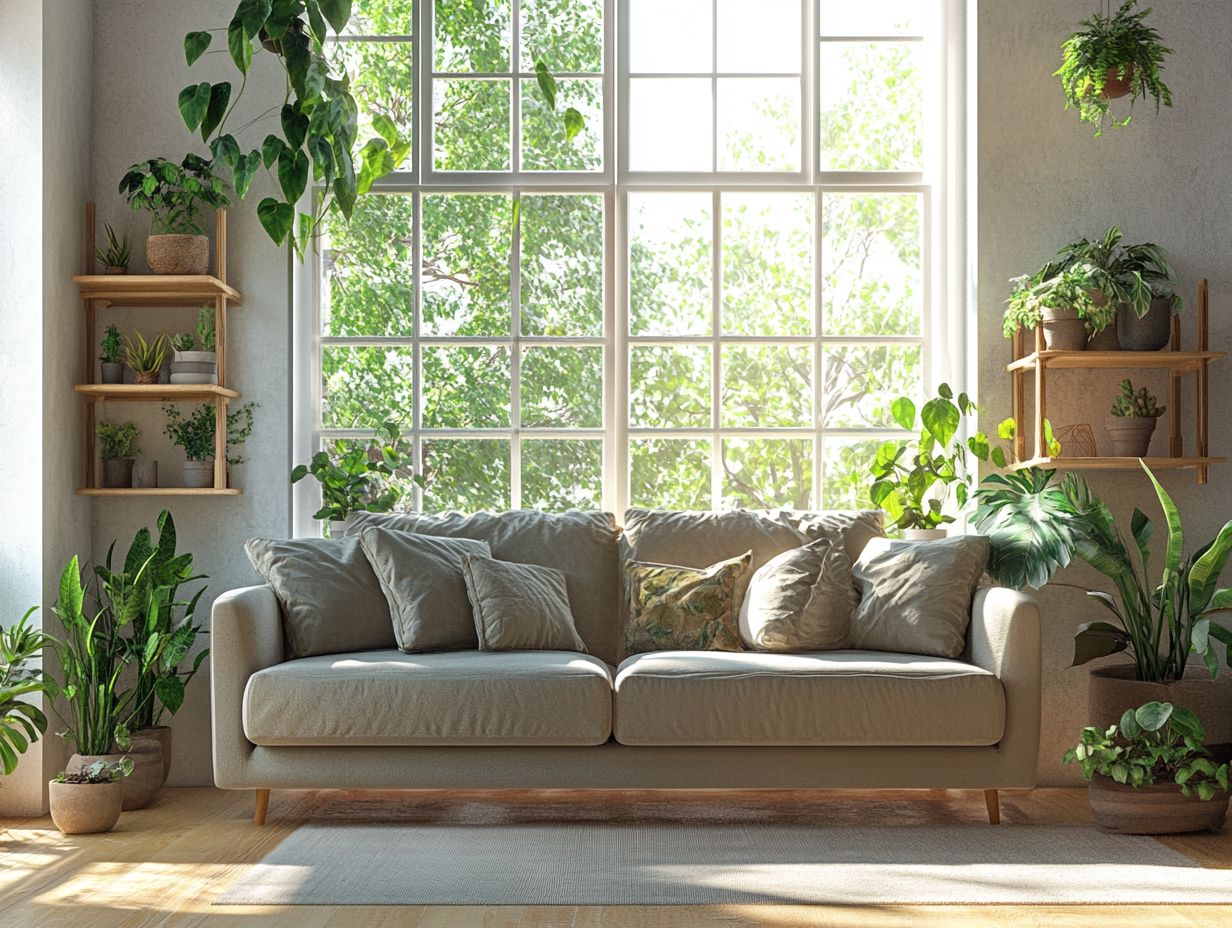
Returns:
<point x="1132" y="421"/>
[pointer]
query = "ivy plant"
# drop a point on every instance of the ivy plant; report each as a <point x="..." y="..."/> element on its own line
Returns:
<point x="318" y="116"/>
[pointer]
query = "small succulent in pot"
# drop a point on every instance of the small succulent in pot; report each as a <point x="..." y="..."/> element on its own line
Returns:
<point x="177" y="196"/>
<point x="189" y="365"/>
<point x="1132" y="421"/>
<point x="109" y="356"/>
<point x="115" y="254"/>
<point x="117" y="446"/>
<point x="145" y="358"/>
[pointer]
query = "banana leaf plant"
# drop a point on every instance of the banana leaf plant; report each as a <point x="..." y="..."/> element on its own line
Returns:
<point x="1036" y="526"/>
<point x="142" y="598"/>
<point x="22" y="722"/>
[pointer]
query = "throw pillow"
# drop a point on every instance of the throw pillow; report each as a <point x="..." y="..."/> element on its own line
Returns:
<point x="673" y="608"/>
<point x="519" y="607"/>
<point x="331" y="600"/>
<point x="915" y="596"/>
<point x="421" y="576"/>
<point x="801" y="600"/>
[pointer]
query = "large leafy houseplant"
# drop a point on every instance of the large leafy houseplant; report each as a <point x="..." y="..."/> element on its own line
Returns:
<point x="177" y="196"/>
<point x="361" y="477"/>
<point x="22" y="722"/>
<point x="1130" y="274"/>
<point x="1057" y="285"/>
<point x="1037" y="525"/>
<point x="1116" y="53"/>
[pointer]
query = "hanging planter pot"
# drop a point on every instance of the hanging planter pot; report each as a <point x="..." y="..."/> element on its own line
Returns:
<point x="1116" y="84"/>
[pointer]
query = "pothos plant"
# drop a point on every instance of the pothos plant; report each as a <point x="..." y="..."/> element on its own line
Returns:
<point x="318" y="119"/>
<point x="361" y="477"/>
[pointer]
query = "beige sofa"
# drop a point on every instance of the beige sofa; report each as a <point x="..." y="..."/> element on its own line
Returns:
<point x="669" y="719"/>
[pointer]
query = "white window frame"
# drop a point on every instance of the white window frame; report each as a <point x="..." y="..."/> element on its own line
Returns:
<point x="944" y="256"/>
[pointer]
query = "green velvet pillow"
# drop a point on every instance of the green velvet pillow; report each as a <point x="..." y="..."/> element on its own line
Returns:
<point x="673" y="608"/>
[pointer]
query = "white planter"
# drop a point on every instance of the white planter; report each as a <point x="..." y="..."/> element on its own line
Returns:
<point x="198" y="473"/>
<point x="194" y="367"/>
<point x="924" y="534"/>
<point x="337" y="528"/>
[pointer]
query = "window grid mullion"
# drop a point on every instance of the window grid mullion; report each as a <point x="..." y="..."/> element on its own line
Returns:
<point x="515" y="352"/>
<point x="818" y="353"/>
<point x="417" y="351"/>
<point x="716" y="351"/>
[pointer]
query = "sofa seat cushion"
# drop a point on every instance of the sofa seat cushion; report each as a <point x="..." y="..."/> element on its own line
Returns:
<point x="450" y="698"/>
<point x="818" y="698"/>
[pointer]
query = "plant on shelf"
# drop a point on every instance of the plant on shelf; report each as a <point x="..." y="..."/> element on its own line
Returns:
<point x="117" y="446"/>
<point x="1140" y="404"/>
<point x="205" y="327"/>
<point x="239" y="428"/>
<point x="109" y="356"/>
<point x="184" y="341"/>
<point x="189" y="365"/>
<point x="1059" y="299"/>
<point x="177" y="196"/>
<point x="361" y="476"/>
<point x="22" y="722"/>
<point x="1133" y="275"/>
<point x="195" y="434"/>
<point x="145" y="359"/>
<point x="317" y="132"/>
<point x="1113" y="55"/>
<point x="1132" y="421"/>
<point x="1157" y="750"/>
<point x="115" y="254"/>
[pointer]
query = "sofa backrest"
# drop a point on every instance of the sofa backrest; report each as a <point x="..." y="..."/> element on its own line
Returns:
<point x="583" y="545"/>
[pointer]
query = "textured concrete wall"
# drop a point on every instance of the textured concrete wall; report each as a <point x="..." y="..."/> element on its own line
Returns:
<point x="1044" y="181"/>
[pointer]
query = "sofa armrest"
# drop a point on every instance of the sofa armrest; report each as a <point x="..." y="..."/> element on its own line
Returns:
<point x="1004" y="638"/>
<point x="245" y="636"/>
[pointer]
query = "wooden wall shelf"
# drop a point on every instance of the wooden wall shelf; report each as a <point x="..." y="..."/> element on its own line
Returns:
<point x="158" y="491"/>
<point x="154" y="392"/>
<point x="154" y="289"/>
<point x="1180" y="364"/>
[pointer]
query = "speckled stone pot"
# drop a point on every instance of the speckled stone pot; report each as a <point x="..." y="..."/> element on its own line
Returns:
<point x="85" y="808"/>
<point x="178" y="254"/>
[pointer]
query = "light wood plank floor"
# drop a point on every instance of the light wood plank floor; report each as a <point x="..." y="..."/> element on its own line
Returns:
<point x="163" y="866"/>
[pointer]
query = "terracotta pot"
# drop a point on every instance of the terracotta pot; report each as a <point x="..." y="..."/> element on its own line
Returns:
<point x="113" y="372"/>
<point x="147" y="377"/>
<point x="140" y="786"/>
<point x="178" y="254"/>
<point x="1130" y="435"/>
<point x="118" y="473"/>
<point x="1111" y="690"/>
<point x="1115" y="86"/>
<point x="1150" y="333"/>
<point x="85" y="808"/>
<point x="1161" y="809"/>
<point x="924" y="534"/>
<point x="160" y="735"/>
<point x="198" y="473"/>
<point x="1063" y="330"/>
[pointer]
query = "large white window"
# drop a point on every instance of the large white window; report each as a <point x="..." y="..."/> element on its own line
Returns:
<point x="707" y="297"/>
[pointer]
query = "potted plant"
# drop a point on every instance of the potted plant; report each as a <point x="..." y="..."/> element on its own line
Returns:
<point x="1132" y="422"/>
<point x="117" y="446"/>
<point x="195" y="435"/>
<point x="360" y="477"/>
<point x="92" y="658"/>
<point x="177" y="196"/>
<point x="87" y="799"/>
<point x="144" y="593"/>
<point x="1151" y="774"/>
<point x="22" y="722"/>
<point x="145" y="359"/>
<point x="1061" y="300"/>
<point x="189" y="365"/>
<point x="109" y="356"/>
<point x="115" y="255"/>
<point x="1037" y="525"/>
<point x="1113" y="55"/>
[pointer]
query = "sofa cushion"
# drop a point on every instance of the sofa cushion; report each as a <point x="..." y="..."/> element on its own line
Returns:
<point x="672" y="607"/>
<point x="582" y="545"/>
<point x="519" y="607"/>
<point x="800" y="600"/>
<point x="824" y="698"/>
<point x="446" y="698"/>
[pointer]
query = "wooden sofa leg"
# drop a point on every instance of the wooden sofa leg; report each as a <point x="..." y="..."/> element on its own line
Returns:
<point x="991" y="800"/>
<point x="262" y="806"/>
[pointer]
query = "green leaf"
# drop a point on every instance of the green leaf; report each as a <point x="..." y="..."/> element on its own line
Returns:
<point x="945" y="392"/>
<point x="303" y="233"/>
<point x="903" y="411"/>
<point x="386" y="129"/>
<point x="547" y="83"/>
<point x="338" y="12"/>
<point x="226" y="150"/>
<point x="195" y="44"/>
<point x="574" y="123"/>
<point x="316" y="22"/>
<point x="271" y="150"/>
<point x="244" y="171"/>
<point x="194" y="101"/>
<point x="293" y="174"/>
<point x="220" y="95"/>
<point x="940" y="418"/>
<point x="1206" y="570"/>
<point x="253" y="14"/>
<point x="1176" y="543"/>
<point x="239" y="44"/>
<point x="1153" y="716"/>
<point x="1097" y="639"/>
<point x="170" y="692"/>
<point x="294" y="126"/>
<point x="276" y="218"/>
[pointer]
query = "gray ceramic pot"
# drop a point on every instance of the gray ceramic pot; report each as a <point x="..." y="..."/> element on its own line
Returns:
<point x="198" y="473"/>
<point x="118" y="473"/>
<point x="1150" y="333"/>
<point x="1064" y="330"/>
<point x="113" y="372"/>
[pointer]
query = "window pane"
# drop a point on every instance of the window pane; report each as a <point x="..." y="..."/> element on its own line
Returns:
<point x="669" y="386"/>
<point x="759" y="124"/>
<point x="765" y="39"/>
<point x="562" y="265"/>
<point x="363" y="387"/>
<point x="670" y="36"/>
<point x="562" y="388"/>
<point x="465" y="276"/>
<point x="567" y="34"/>
<point x="472" y="36"/>
<point x="669" y="263"/>
<point x="871" y="264"/>
<point x="465" y="388"/>
<point x="669" y="473"/>
<point x="559" y="475"/>
<point x="767" y="263"/>
<point x="466" y="474"/>
<point x="767" y="473"/>
<point x="859" y="383"/>
<point x="844" y="472"/>
<point x="885" y="17"/>
<point x="471" y="125"/>
<point x="670" y="124"/>
<point x="767" y="386"/>
<point x="382" y="76"/>
<point x="545" y="146"/>
<point x="369" y="270"/>
<point x="381" y="17"/>
<point x="872" y="106"/>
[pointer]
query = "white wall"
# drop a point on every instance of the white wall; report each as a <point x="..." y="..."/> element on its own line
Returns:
<point x="1044" y="181"/>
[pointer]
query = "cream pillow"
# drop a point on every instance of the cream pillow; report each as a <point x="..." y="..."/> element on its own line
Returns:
<point x="801" y="600"/>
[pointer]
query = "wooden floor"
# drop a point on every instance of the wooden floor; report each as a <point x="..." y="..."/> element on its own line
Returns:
<point x="163" y="866"/>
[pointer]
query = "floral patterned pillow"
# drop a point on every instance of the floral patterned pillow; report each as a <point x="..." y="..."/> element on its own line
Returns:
<point x="684" y="608"/>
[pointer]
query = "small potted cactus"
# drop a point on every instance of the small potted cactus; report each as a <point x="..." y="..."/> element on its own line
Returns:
<point x="109" y="355"/>
<point x="189" y="365"/>
<point x="1132" y="422"/>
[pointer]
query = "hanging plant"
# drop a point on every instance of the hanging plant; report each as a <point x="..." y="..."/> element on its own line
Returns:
<point x="1116" y="55"/>
<point x="318" y="118"/>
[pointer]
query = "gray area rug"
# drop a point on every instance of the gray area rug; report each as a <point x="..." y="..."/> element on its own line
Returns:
<point x="710" y="864"/>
